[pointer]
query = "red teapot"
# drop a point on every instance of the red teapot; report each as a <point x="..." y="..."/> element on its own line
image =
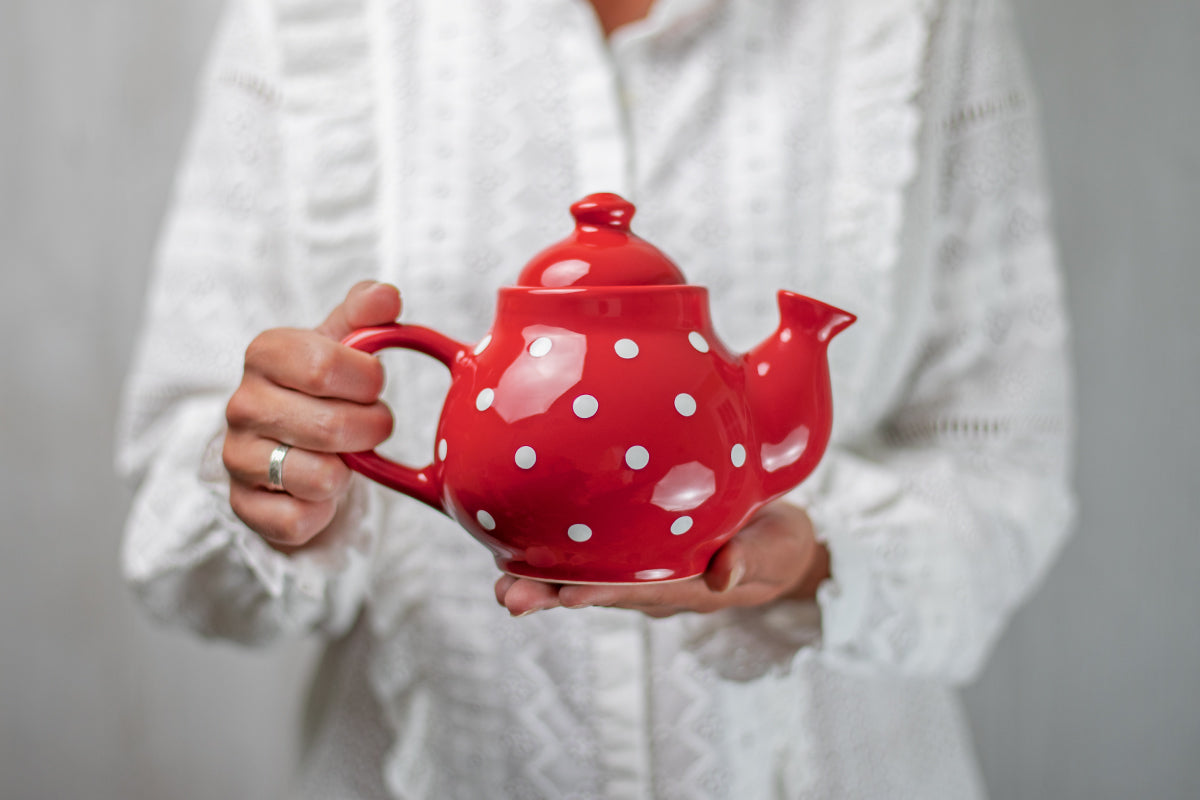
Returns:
<point x="601" y="432"/>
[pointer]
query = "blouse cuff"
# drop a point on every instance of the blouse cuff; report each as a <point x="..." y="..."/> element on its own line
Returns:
<point x="840" y="498"/>
<point x="327" y="575"/>
<point x="843" y="597"/>
<point x="746" y="644"/>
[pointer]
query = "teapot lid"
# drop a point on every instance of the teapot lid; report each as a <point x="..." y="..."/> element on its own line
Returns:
<point x="601" y="251"/>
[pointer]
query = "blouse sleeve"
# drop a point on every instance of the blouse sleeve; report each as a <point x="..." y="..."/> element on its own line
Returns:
<point x="218" y="281"/>
<point x="942" y="520"/>
<point x="941" y="524"/>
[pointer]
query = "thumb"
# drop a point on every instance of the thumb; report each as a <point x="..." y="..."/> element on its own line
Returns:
<point x="368" y="303"/>
<point x="776" y="548"/>
<point x="727" y="567"/>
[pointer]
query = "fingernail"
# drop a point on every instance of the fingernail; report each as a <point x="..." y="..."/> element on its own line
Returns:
<point x="532" y="610"/>
<point x="581" y="605"/>
<point x="735" y="576"/>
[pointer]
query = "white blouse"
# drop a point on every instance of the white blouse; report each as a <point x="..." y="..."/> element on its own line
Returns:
<point x="878" y="154"/>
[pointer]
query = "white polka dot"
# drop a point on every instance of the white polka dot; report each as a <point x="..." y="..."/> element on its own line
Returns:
<point x="579" y="533"/>
<point x="484" y="401"/>
<point x="442" y="446"/>
<point x="685" y="404"/>
<point x="485" y="520"/>
<point x="585" y="406"/>
<point x="681" y="526"/>
<point x="698" y="341"/>
<point x="637" y="457"/>
<point x="540" y="347"/>
<point x="483" y="344"/>
<point x="626" y="348"/>
<point x="526" y="457"/>
<point x="738" y="455"/>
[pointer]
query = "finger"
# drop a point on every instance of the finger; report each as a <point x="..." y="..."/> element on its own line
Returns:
<point x="667" y="598"/>
<point x="281" y="519"/>
<point x="727" y="567"/>
<point x="317" y="366"/>
<point x="307" y="475"/>
<point x="320" y="425"/>
<point x="776" y="549"/>
<point x="368" y="303"/>
<point x="526" y="595"/>
<point x="503" y="584"/>
<point x="657" y="612"/>
<point x="690" y="593"/>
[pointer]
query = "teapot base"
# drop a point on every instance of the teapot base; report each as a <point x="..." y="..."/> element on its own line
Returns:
<point x="523" y="569"/>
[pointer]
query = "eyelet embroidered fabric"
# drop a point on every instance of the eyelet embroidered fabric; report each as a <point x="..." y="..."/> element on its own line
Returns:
<point x="881" y="155"/>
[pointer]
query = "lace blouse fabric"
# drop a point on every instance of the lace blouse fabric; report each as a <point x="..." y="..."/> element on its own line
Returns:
<point x="878" y="154"/>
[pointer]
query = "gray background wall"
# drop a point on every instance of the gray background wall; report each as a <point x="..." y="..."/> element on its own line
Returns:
<point x="1095" y="690"/>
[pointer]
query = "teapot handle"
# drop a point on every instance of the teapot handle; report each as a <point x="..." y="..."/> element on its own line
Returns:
<point x="424" y="484"/>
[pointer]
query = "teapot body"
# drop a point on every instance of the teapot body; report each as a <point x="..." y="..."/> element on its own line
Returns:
<point x="601" y="432"/>
<point x="599" y="435"/>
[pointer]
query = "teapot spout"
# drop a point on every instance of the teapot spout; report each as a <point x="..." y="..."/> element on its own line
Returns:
<point x="789" y="392"/>
<point x="805" y="316"/>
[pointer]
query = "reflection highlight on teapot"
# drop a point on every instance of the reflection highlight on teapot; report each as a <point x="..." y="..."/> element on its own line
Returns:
<point x="776" y="456"/>
<point x="684" y="487"/>
<point x="552" y="362"/>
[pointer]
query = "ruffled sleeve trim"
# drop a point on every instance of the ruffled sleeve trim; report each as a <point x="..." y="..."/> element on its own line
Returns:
<point x="342" y="550"/>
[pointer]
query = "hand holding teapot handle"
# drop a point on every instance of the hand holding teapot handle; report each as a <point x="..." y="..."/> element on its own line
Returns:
<point x="303" y="399"/>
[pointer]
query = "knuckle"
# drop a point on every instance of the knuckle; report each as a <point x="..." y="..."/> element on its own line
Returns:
<point x="320" y="368"/>
<point x="292" y="525"/>
<point x="260" y="347"/>
<point x="331" y="479"/>
<point x="228" y="454"/>
<point x="238" y="411"/>
<point x="328" y="429"/>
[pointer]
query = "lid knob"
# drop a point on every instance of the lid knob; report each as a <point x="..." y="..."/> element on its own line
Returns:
<point x="603" y="210"/>
<point x="601" y="251"/>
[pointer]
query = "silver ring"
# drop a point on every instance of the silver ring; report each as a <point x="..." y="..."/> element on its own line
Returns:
<point x="275" y="468"/>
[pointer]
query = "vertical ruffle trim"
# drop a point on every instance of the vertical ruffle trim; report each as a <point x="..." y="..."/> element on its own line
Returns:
<point x="876" y="120"/>
<point x="875" y="124"/>
<point x="329" y="115"/>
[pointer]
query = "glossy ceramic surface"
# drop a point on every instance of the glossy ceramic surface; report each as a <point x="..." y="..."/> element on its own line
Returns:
<point x="602" y="433"/>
